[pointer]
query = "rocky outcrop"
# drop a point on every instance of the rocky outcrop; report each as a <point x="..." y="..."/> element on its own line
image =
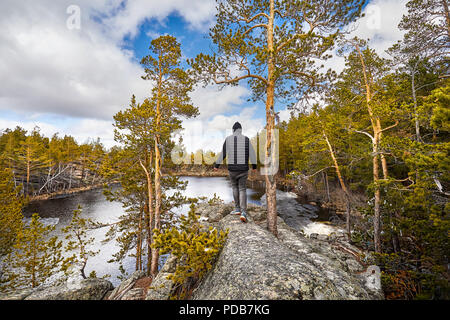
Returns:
<point x="300" y="216"/>
<point x="125" y="290"/>
<point x="84" y="289"/>
<point x="161" y="287"/>
<point x="252" y="265"/>
<point x="255" y="265"/>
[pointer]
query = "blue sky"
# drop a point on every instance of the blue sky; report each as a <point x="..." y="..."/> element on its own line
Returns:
<point x="72" y="81"/>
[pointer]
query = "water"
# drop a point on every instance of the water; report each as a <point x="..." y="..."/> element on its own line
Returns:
<point x="58" y="212"/>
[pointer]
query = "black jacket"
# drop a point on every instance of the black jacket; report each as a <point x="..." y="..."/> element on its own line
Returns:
<point x="239" y="152"/>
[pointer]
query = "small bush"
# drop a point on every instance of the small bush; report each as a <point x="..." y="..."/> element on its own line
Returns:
<point x="195" y="249"/>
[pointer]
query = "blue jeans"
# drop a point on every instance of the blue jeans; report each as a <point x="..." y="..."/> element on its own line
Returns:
<point x="239" y="185"/>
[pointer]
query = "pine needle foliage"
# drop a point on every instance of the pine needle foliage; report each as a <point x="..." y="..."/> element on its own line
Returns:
<point x="79" y="241"/>
<point x="36" y="256"/>
<point x="195" y="248"/>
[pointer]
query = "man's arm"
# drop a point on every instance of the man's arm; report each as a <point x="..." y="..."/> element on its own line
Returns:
<point x="221" y="155"/>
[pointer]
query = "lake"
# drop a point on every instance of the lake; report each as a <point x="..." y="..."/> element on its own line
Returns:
<point x="58" y="212"/>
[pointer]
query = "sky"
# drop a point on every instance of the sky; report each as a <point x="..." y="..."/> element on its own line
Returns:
<point x="70" y="76"/>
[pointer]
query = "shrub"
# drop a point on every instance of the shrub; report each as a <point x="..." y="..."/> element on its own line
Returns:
<point x="195" y="248"/>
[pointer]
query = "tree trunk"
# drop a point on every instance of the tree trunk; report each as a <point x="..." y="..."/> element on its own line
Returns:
<point x="28" y="169"/>
<point x="447" y="16"/>
<point x="327" y="187"/>
<point x="70" y="177"/>
<point x="270" y="118"/>
<point x="416" y="115"/>
<point x="139" y="243"/>
<point x="341" y="182"/>
<point x="155" y="252"/>
<point x="149" y="210"/>
<point x="377" y="213"/>
<point x="376" y="126"/>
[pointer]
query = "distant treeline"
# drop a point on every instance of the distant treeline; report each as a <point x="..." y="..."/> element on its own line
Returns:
<point x="43" y="165"/>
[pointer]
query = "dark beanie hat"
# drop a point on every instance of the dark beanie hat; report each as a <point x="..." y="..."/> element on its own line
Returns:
<point x="236" y="126"/>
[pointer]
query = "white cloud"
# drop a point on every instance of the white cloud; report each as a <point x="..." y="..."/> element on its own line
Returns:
<point x="379" y="25"/>
<point x="209" y="134"/>
<point x="86" y="76"/>
<point x="212" y="101"/>
<point x="125" y="20"/>
<point x="47" y="68"/>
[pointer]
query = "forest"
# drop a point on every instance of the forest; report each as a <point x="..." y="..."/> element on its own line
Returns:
<point x="44" y="165"/>
<point x="373" y="138"/>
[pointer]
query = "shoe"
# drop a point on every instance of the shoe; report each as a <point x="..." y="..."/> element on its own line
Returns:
<point x="243" y="216"/>
<point x="236" y="212"/>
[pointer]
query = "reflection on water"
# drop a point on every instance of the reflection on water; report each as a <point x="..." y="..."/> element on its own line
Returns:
<point x="95" y="206"/>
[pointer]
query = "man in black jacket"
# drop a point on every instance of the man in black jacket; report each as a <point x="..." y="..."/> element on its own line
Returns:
<point x="239" y="152"/>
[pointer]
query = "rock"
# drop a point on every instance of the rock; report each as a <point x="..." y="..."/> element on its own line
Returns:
<point x="213" y="213"/>
<point x="322" y="237"/>
<point x="255" y="265"/>
<point x="17" y="295"/>
<point x="257" y="213"/>
<point x="169" y="265"/>
<point x="86" y="289"/>
<point x="334" y="219"/>
<point x="300" y="216"/>
<point x="353" y="266"/>
<point x="342" y="237"/>
<point x="161" y="287"/>
<point x="134" y="294"/>
<point x="126" y="285"/>
<point x="215" y="217"/>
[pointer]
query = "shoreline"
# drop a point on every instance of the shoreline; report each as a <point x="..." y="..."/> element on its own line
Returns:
<point x="205" y="173"/>
<point x="64" y="193"/>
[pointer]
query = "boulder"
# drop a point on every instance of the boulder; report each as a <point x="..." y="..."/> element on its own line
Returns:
<point x="85" y="289"/>
<point x="119" y="292"/>
<point x="256" y="265"/>
<point x="133" y="294"/>
<point x="20" y="294"/>
<point x="161" y="287"/>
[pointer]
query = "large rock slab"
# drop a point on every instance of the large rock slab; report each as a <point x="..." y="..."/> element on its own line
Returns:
<point x="255" y="265"/>
<point x="86" y="289"/>
<point x="161" y="287"/>
<point x="121" y="290"/>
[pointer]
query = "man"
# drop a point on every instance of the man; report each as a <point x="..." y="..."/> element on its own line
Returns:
<point x="239" y="151"/>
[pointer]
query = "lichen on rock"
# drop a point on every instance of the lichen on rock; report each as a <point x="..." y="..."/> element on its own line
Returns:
<point x="256" y="265"/>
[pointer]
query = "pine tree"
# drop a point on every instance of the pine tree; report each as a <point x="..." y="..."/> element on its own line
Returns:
<point x="364" y="75"/>
<point x="272" y="45"/>
<point x="170" y="100"/>
<point x="31" y="157"/>
<point x="77" y="234"/>
<point x="11" y="204"/>
<point x="194" y="247"/>
<point x="36" y="255"/>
